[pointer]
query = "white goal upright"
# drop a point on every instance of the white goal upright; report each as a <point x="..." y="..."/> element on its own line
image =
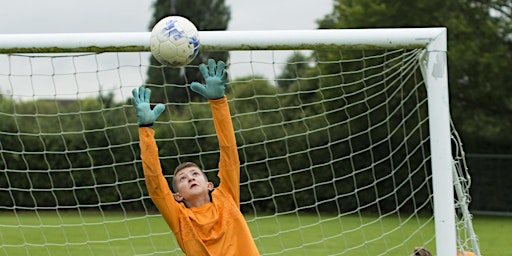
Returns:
<point x="345" y="139"/>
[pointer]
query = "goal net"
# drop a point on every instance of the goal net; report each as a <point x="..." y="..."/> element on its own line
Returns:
<point x="345" y="142"/>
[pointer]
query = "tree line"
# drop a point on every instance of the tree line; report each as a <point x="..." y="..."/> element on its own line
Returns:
<point x="97" y="137"/>
<point x="313" y="144"/>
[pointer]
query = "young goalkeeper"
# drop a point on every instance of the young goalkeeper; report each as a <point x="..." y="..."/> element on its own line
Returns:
<point x="204" y="220"/>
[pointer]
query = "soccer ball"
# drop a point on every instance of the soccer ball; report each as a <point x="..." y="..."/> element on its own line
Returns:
<point x="174" y="41"/>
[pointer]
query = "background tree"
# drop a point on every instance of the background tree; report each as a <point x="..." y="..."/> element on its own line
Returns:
<point x="479" y="57"/>
<point x="206" y="15"/>
<point x="297" y="63"/>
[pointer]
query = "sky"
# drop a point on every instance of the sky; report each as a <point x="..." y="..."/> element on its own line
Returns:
<point x="65" y="16"/>
<point x="98" y="16"/>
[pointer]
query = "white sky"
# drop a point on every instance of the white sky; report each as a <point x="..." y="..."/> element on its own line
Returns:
<point x="56" y="16"/>
<point x="90" y="16"/>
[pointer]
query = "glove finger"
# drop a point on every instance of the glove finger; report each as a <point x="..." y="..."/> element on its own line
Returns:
<point x="147" y="95"/>
<point x="224" y="76"/>
<point x="135" y="97"/>
<point x="211" y="65"/>
<point x="159" y="108"/>
<point x="198" y="88"/>
<point x="220" y="68"/>
<point x="203" y="70"/>
<point x="141" y="94"/>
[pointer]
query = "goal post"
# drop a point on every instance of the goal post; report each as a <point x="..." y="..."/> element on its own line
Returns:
<point x="353" y="135"/>
<point x="238" y="40"/>
<point x="435" y="73"/>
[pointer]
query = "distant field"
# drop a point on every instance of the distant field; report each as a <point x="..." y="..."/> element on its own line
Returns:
<point x="118" y="234"/>
<point x="494" y="234"/>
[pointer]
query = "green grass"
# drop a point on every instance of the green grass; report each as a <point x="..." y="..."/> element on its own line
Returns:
<point x="493" y="234"/>
<point x="96" y="233"/>
<point x="331" y="235"/>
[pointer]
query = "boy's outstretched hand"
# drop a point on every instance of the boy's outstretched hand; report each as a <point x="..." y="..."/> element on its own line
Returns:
<point x="215" y="77"/>
<point x="140" y="100"/>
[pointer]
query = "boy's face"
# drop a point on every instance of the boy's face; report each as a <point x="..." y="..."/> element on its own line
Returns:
<point x="192" y="184"/>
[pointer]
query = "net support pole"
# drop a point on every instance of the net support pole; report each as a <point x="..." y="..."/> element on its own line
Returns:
<point x="435" y="72"/>
<point x="466" y="215"/>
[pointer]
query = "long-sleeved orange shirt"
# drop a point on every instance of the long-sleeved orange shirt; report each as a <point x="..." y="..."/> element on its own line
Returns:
<point x="218" y="227"/>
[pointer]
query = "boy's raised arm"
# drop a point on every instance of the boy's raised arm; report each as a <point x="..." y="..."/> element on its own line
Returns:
<point x="157" y="185"/>
<point x="215" y="77"/>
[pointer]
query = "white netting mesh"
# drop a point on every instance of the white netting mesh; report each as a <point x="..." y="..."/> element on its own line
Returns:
<point x="334" y="148"/>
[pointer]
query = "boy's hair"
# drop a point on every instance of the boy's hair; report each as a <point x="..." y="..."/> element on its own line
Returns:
<point x="420" y="251"/>
<point x="181" y="167"/>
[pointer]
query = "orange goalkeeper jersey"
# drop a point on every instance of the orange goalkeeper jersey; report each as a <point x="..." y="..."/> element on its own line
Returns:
<point x="218" y="227"/>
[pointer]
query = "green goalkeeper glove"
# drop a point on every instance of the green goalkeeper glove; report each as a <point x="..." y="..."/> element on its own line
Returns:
<point x="215" y="78"/>
<point x="140" y="100"/>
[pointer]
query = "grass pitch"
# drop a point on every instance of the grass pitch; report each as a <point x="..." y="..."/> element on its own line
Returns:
<point x="106" y="233"/>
